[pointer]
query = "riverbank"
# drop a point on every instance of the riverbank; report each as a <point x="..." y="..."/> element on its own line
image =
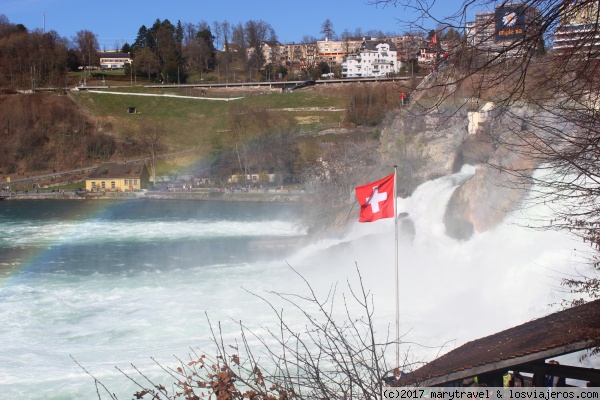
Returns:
<point x="279" y="196"/>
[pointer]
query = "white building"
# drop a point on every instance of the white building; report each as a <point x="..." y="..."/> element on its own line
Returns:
<point x="427" y="55"/>
<point x="578" y="30"/>
<point x="114" y="60"/>
<point x="480" y="33"/>
<point x="481" y="116"/>
<point x="376" y="58"/>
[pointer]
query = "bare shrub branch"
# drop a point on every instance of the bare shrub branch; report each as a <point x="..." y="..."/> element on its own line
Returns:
<point x="335" y="355"/>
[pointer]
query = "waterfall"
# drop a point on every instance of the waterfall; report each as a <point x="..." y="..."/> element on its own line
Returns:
<point x="134" y="280"/>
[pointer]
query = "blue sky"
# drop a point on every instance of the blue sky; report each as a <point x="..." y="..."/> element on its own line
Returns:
<point x="116" y="22"/>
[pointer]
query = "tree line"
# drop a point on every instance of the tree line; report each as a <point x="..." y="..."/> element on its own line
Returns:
<point x="31" y="59"/>
<point x="163" y="52"/>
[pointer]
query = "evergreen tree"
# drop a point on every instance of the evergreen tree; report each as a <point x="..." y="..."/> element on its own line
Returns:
<point x="163" y="44"/>
<point x="206" y="39"/>
<point x="141" y="40"/>
<point x="126" y="48"/>
<point x="327" y="29"/>
<point x="179" y="36"/>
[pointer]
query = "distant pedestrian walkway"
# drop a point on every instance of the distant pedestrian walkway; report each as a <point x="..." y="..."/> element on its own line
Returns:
<point x="166" y="95"/>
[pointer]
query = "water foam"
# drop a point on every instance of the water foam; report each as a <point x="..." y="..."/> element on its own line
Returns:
<point x="450" y="292"/>
<point x="101" y="231"/>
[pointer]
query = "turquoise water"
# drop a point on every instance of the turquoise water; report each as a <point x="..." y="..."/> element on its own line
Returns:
<point x="87" y="237"/>
<point x="115" y="282"/>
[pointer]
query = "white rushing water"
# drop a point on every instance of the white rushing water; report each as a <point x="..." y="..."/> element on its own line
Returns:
<point x="450" y="292"/>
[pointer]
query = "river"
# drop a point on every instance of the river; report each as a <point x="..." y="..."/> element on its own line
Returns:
<point x="111" y="283"/>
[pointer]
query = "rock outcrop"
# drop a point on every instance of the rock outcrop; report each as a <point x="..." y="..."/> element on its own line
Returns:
<point x="434" y="144"/>
<point x="484" y="200"/>
<point x="425" y="146"/>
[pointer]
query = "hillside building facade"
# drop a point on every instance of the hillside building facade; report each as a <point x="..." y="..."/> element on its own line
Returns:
<point x="578" y="30"/>
<point x="114" y="60"/>
<point x="499" y="32"/>
<point x="116" y="177"/>
<point x="375" y="58"/>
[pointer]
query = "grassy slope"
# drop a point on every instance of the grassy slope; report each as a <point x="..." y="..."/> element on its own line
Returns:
<point x="190" y="122"/>
<point x="194" y="123"/>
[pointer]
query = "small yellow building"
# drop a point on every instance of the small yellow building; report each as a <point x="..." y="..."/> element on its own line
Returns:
<point x="115" y="177"/>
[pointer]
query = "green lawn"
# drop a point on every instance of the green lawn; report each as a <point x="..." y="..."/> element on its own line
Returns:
<point x="192" y="123"/>
<point x="186" y="122"/>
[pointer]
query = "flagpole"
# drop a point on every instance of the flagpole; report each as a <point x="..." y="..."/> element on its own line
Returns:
<point x="396" y="268"/>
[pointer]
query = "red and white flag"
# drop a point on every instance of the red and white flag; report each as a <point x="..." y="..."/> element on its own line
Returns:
<point x="376" y="199"/>
<point x="433" y="41"/>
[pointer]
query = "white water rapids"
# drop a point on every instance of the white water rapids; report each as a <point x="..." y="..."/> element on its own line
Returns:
<point x="450" y="291"/>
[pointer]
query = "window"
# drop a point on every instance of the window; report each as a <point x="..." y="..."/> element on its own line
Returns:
<point x="112" y="185"/>
<point x="93" y="185"/>
<point x="125" y="182"/>
<point x="135" y="182"/>
<point x="103" y="184"/>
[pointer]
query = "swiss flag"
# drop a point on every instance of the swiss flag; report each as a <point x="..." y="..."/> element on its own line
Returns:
<point x="433" y="40"/>
<point x="376" y="199"/>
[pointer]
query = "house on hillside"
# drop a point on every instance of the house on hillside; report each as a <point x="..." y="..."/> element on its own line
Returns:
<point x="333" y="52"/>
<point x="116" y="177"/>
<point x="231" y="48"/>
<point x="272" y="52"/>
<point x="114" y="60"/>
<point x="427" y="55"/>
<point x="376" y="58"/>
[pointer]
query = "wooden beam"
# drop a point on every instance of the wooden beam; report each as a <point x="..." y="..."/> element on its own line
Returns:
<point x="565" y="371"/>
<point x="508" y="364"/>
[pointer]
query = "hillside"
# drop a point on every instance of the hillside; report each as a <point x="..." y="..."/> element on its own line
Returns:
<point x="51" y="133"/>
<point x="47" y="133"/>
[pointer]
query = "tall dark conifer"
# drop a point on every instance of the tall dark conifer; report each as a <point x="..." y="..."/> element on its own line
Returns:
<point x="207" y="43"/>
<point x="179" y="37"/>
<point x="141" y="40"/>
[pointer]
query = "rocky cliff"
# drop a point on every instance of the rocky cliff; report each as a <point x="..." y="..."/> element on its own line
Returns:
<point x="427" y="144"/>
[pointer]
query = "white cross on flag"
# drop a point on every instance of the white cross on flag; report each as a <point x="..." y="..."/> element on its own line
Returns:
<point x="376" y="199"/>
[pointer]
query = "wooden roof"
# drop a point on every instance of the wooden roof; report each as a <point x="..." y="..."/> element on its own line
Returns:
<point x="563" y="332"/>
<point x="118" y="171"/>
